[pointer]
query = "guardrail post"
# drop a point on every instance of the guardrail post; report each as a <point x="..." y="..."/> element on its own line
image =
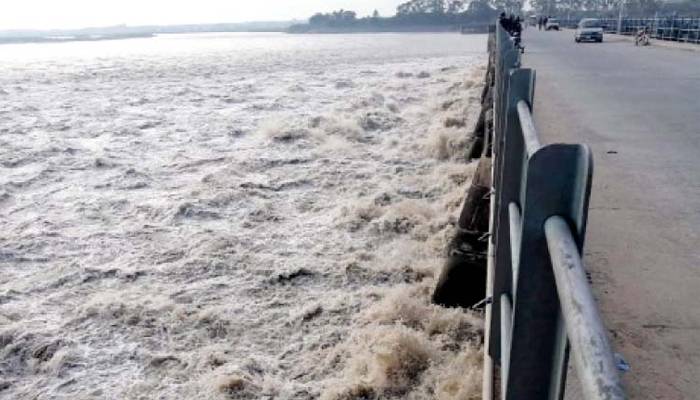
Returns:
<point x="509" y="161"/>
<point x="511" y="60"/>
<point x="507" y="58"/>
<point x="557" y="182"/>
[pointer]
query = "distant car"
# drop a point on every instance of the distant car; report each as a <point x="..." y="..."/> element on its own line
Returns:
<point x="552" y="25"/>
<point x="589" y="30"/>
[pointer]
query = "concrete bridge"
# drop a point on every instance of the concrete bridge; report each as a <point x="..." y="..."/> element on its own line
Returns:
<point x="639" y="110"/>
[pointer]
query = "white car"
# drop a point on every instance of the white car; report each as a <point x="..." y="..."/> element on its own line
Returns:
<point x="552" y="25"/>
<point x="589" y="30"/>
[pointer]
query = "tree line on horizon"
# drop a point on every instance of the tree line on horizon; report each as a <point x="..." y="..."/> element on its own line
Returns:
<point x="466" y="12"/>
<point x="415" y="13"/>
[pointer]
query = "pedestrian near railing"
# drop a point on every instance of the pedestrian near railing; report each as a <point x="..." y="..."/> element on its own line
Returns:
<point x="542" y="307"/>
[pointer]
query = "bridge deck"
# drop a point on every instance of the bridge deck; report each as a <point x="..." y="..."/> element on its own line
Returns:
<point x="639" y="110"/>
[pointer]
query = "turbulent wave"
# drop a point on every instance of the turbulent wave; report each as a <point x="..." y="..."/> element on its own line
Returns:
<point x="252" y="217"/>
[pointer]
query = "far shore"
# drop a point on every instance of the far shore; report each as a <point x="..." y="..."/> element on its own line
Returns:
<point x="64" y="39"/>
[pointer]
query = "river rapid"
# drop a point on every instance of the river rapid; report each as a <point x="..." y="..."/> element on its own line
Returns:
<point x="235" y="216"/>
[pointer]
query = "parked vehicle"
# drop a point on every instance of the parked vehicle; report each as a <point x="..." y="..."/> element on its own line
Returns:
<point x="589" y="30"/>
<point x="552" y="25"/>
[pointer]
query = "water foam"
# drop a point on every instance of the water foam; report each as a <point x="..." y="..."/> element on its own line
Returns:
<point x="271" y="228"/>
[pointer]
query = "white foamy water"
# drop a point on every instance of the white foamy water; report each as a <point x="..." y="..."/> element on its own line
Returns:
<point x="234" y="216"/>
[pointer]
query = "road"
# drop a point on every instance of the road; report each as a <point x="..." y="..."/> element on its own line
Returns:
<point x="639" y="110"/>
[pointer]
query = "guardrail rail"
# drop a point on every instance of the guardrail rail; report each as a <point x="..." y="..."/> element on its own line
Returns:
<point x="675" y="29"/>
<point x="542" y="306"/>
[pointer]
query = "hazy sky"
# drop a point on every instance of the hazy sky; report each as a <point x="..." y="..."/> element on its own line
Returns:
<point x="81" y="13"/>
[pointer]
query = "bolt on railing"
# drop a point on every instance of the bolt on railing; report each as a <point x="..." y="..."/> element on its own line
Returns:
<point x="542" y="303"/>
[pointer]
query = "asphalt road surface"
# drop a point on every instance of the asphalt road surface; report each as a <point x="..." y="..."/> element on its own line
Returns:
<point x="639" y="110"/>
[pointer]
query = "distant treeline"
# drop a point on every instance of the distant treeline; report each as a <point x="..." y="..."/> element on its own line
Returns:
<point x="414" y="15"/>
<point x="440" y="15"/>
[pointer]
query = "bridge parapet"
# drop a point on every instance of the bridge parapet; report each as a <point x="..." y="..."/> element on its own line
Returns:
<point x="542" y="306"/>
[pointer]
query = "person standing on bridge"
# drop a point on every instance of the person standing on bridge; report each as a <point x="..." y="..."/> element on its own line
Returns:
<point x="505" y="22"/>
<point x="517" y="27"/>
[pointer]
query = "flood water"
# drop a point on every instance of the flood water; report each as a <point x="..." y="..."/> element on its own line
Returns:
<point x="234" y="216"/>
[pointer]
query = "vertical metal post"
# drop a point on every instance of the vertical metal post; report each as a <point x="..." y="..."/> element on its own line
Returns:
<point x="557" y="182"/>
<point x="510" y="160"/>
<point x="511" y="59"/>
<point x="619" y="17"/>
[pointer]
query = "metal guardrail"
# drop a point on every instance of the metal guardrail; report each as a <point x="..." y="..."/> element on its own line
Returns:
<point x="673" y="29"/>
<point x="542" y="304"/>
